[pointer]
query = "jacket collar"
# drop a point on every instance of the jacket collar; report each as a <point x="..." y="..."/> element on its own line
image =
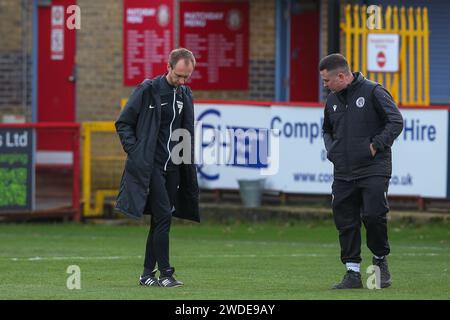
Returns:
<point x="358" y="80"/>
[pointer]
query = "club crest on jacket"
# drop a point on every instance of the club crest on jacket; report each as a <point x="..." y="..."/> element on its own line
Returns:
<point x="360" y="102"/>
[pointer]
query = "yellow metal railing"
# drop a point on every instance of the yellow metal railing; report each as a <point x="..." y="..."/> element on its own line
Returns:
<point x="123" y="102"/>
<point x="88" y="128"/>
<point x="410" y="84"/>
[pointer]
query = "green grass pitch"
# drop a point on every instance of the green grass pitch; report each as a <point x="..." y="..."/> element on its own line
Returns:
<point x="296" y="260"/>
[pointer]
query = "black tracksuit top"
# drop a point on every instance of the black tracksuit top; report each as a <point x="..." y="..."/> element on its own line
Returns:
<point x="171" y="112"/>
<point x="355" y="117"/>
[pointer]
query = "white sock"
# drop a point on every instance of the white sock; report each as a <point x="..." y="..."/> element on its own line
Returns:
<point x="352" y="266"/>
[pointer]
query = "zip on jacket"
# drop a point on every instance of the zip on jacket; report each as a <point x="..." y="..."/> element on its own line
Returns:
<point x="170" y="128"/>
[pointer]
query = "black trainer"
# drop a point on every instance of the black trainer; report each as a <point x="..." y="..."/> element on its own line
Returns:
<point x="352" y="280"/>
<point x="385" y="276"/>
<point x="167" y="280"/>
<point x="149" y="280"/>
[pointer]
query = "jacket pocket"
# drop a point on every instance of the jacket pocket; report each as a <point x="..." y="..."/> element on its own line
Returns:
<point x="331" y="151"/>
<point x="134" y="147"/>
<point x="131" y="167"/>
<point x="361" y="154"/>
<point x="134" y="163"/>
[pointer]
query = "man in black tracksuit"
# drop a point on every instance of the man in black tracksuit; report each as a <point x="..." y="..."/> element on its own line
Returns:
<point x="156" y="179"/>
<point x="361" y="122"/>
<point x="164" y="181"/>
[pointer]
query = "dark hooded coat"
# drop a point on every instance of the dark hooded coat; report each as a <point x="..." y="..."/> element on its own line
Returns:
<point x="138" y="127"/>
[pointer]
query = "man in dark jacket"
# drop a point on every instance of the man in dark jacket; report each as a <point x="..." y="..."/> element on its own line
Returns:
<point x="155" y="180"/>
<point x="360" y="125"/>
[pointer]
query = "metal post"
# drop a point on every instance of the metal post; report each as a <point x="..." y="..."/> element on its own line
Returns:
<point x="333" y="26"/>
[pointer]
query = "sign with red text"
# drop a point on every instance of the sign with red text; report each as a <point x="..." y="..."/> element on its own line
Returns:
<point x="147" y="38"/>
<point x="382" y="52"/>
<point x="218" y="35"/>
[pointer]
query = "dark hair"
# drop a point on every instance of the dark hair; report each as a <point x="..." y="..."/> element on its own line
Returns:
<point x="181" y="53"/>
<point x="334" y="61"/>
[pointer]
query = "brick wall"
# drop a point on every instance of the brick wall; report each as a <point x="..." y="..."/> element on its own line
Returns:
<point x="323" y="28"/>
<point x="100" y="59"/>
<point x="99" y="62"/>
<point x="15" y="58"/>
<point x="262" y="50"/>
<point x="323" y="38"/>
<point x="100" y="74"/>
<point x="261" y="57"/>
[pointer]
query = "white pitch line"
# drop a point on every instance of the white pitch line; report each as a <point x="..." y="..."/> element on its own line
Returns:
<point x="313" y="255"/>
<point x="74" y="258"/>
<point x="263" y="255"/>
<point x="293" y="255"/>
<point x="311" y="244"/>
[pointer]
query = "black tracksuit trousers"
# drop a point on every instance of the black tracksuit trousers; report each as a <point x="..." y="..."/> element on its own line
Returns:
<point x="361" y="200"/>
<point x="161" y="199"/>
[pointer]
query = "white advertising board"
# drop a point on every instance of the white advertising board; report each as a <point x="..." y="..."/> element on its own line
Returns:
<point x="304" y="167"/>
<point x="419" y="153"/>
<point x="223" y="158"/>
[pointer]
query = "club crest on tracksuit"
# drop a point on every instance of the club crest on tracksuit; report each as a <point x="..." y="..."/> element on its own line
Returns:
<point x="180" y="106"/>
<point x="334" y="107"/>
<point x="360" y="102"/>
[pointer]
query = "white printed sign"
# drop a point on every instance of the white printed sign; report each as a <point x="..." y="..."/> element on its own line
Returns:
<point x="58" y="16"/>
<point x="382" y="52"/>
<point x="57" y="33"/>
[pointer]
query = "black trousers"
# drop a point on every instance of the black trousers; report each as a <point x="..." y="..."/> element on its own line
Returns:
<point x="361" y="200"/>
<point x="161" y="199"/>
